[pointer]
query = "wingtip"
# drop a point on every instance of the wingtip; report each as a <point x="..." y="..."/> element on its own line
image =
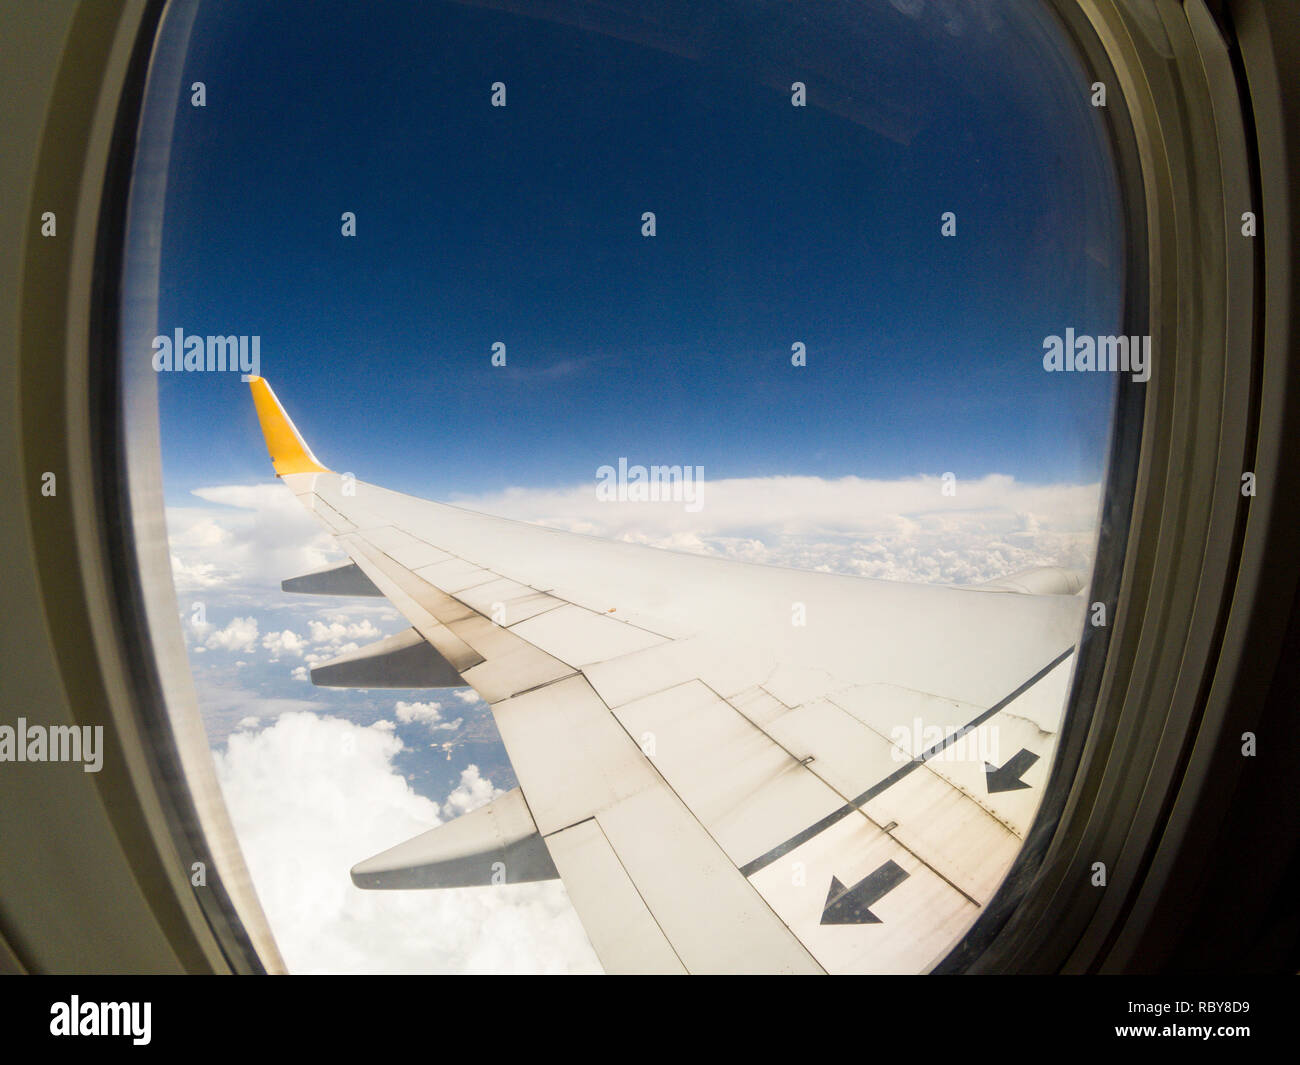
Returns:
<point x="288" y="450"/>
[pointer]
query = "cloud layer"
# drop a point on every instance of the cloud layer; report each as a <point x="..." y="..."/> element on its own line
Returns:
<point x="906" y="530"/>
<point x="310" y="797"/>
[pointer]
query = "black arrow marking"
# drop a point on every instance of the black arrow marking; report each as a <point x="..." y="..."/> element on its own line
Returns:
<point x="851" y="905"/>
<point x="1008" y="777"/>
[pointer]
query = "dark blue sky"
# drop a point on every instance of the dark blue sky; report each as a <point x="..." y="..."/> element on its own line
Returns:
<point x="522" y="224"/>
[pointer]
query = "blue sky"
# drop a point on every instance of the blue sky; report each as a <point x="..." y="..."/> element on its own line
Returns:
<point x="775" y="224"/>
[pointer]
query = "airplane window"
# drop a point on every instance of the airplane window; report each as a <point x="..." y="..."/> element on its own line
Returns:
<point x="688" y="428"/>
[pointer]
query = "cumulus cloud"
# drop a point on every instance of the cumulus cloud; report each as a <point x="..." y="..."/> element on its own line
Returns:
<point x="281" y="644"/>
<point x="472" y="792"/>
<point x="315" y="658"/>
<point x="194" y="622"/>
<point x="426" y="713"/>
<point x="190" y="574"/>
<point x="429" y="713"/>
<point x="467" y="695"/>
<point x="239" y="635"/>
<point x="310" y="797"/>
<point x="258" y="536"/>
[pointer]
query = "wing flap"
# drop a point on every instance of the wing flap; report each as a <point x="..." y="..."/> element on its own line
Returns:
<point x="746" y="790"/>
<point x="714" y="918"/>
<point x="570" y="755"/>
<point x="623" y="931"/>
<point x="895" y="926"/>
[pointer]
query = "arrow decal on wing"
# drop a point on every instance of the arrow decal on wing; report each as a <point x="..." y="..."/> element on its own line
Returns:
<point x="1008" y="777"/>
<point x="851" y="905"/>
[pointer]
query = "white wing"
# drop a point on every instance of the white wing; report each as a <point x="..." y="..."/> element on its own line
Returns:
<point x="733" y="767"/>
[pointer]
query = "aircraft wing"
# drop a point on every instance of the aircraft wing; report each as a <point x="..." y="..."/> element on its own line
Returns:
<point x="732" y="767"/>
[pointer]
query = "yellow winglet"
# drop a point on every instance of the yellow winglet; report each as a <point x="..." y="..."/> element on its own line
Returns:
<point x="289" y="451"/>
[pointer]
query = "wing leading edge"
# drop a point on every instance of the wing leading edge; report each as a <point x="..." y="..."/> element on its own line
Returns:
<point x="733" y="767"/>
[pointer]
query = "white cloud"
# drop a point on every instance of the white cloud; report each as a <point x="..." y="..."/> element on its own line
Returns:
<point x="336" y="631"/>
<point x="310" y="797"/>
<point x="427" y="713"/>
<point x="195" y="621"/>
<point x="284" y="643"/>
<point x="191" y="574"/>
<point x="472" y="792"/>
<point x="468" y="695"/>
<point x="239" y="635"/>
<point x="903" y="529"/>
<point x="315" y="658"/>
<point x="261" y="535"/>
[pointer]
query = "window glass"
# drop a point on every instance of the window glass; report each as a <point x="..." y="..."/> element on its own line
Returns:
<point x="822" y="258"/>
